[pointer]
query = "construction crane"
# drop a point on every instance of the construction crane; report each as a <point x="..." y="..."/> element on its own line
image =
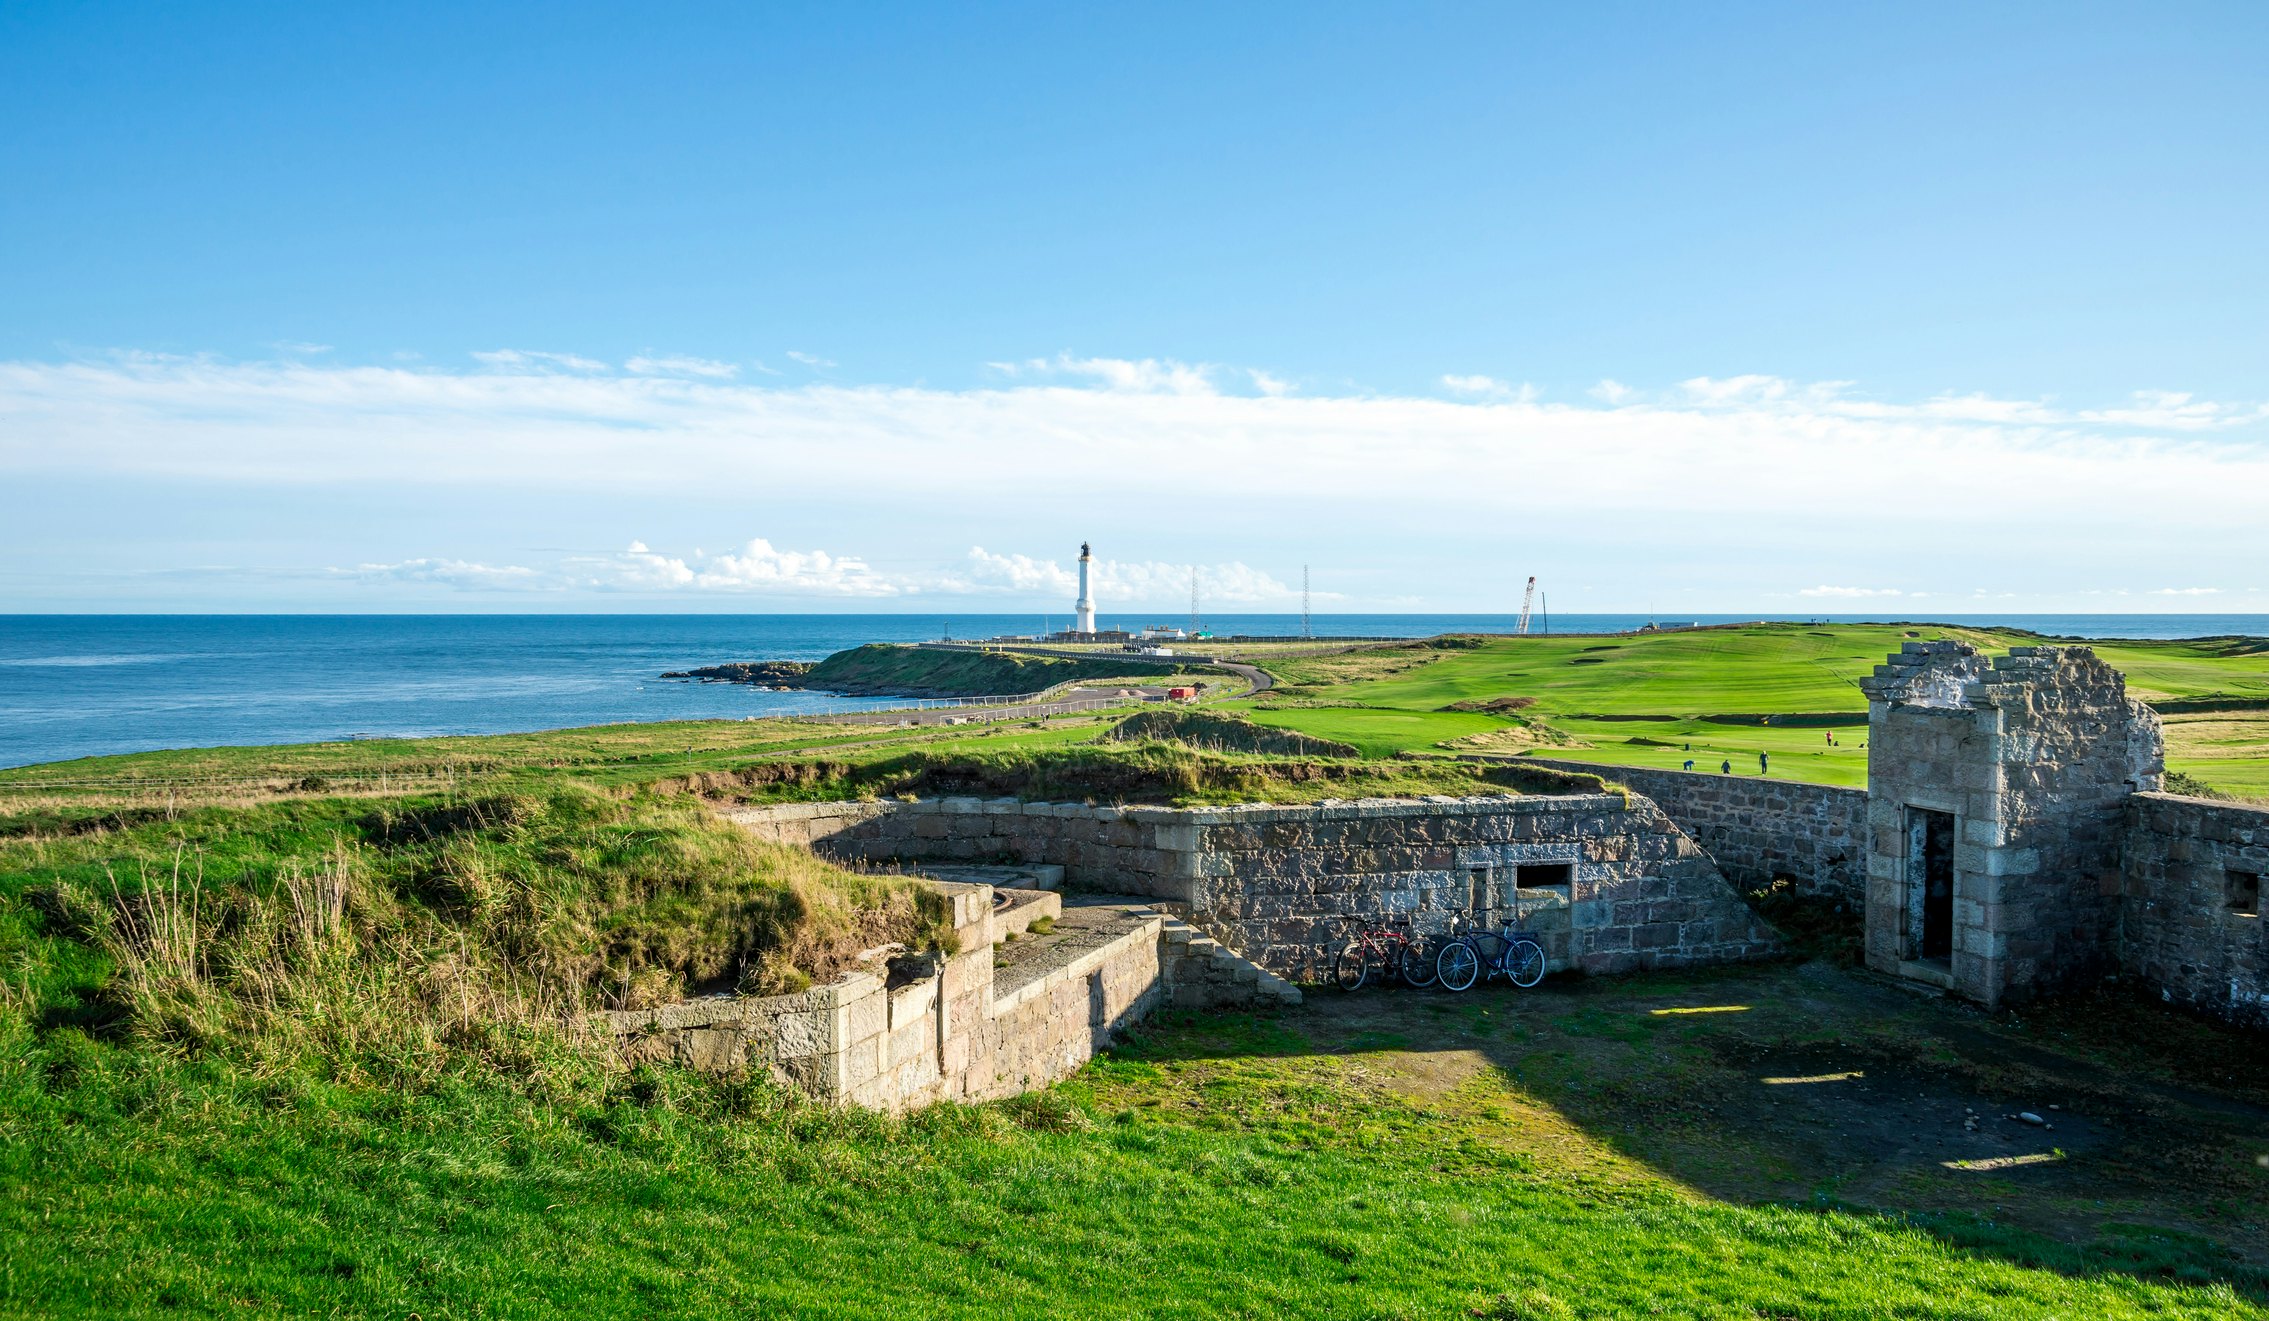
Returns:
<point x="1528" y="599"/>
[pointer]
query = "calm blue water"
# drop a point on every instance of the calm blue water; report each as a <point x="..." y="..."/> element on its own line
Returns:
<point x="87" y="685"/>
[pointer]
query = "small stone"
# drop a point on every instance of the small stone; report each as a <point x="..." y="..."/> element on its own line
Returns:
<point x="2029" y="1117"/>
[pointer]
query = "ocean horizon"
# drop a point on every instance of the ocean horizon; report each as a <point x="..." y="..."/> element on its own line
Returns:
<point x="76" y="686"/>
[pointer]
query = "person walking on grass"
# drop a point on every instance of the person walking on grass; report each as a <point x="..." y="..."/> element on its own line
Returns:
<point x="1764" y="763"/>
<point x="1727" y="768"/>
<point x="1689" y="763"/>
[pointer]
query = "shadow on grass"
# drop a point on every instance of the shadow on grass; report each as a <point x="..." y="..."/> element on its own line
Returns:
<point x="1820" y="1088"/>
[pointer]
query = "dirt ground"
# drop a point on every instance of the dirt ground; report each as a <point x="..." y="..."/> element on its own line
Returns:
<point x="1823" y="1085"/>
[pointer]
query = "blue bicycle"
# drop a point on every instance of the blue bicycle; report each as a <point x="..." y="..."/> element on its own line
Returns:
<point x="1508" y="952"/>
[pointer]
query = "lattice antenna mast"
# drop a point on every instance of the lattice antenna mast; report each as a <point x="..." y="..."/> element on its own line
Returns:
<point x="1304" y="630"/>
<point x="1528" y="601"/>
<point x="1194" y="620"/>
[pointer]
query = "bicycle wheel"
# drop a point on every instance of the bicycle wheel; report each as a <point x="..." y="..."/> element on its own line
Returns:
<point x="1416" y="963"/>
<point x="1458" y="965"/>
<point x="1524" y="963"/>
<point x="1349" y="968"/>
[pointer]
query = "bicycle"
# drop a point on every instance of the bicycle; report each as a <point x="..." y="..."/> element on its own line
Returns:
<point x="1390" y="949"/>
<point x="1519" y="956"/>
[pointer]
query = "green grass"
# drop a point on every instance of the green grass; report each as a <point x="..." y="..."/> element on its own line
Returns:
<point x="1389" y="700"/>
<point x="1384" y="1164"/>
<point x="1797" y="753"/>
<point x="1376" y="733"/>
<point x="1771" y="668"/>
<point x="396" y="1111"/>
<point x="2220" y="667"/>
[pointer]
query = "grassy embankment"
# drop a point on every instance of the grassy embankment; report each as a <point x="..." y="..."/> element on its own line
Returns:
<point x="1725" y="694"/>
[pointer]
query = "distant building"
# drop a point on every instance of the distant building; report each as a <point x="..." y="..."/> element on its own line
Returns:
<point x="1086" y="604"/>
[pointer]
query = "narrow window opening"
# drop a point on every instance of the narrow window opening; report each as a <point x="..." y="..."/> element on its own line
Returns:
<point x="2244" y="891"/>
<point x="1544" y="876"/>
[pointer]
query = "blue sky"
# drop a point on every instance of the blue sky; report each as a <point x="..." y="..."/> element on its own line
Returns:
<point x="821" y="307"/>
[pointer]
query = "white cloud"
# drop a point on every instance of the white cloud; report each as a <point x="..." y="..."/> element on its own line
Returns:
<point x="1155" y="429"/>
<point x="756" y="568"/>
<point x="1709" y="476"/>
<point x="682" y="366"/>
<point x="2188" y="591"/>
<point x="530" y="360"/>
<point x="1610" y="391"/>
<point x="1127" y="375"/>
<point x="1273" y="386"/>
<point x="450" y="573"/>
<point x="300" y="348"/>
<point x="1735" y="389"/>
<point x="1021" y="574"/>
<point x="1853" y="593"/>
<point x="760" y="569"/>
<point x="2173" y="410"/>
<point x="811" y="360"/>
<point x="1489" y="387"/>
<point x="1116" y="582"/>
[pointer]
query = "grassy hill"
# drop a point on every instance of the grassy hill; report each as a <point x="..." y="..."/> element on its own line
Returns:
<point x="895" y="671"/>
<point x="1727" y="694"/>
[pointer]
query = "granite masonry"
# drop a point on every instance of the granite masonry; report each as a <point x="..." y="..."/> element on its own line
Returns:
<point x="1758" y="829"/>
<point x="2190" y="922"/>
<point x="1011" y="1009"/>
<point x="1997" y="799"/>
<point x="1609" y="881"/>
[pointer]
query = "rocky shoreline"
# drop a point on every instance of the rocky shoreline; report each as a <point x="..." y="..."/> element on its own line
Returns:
<point x="886" y="670"/>
<point x="762" y="674"/>
<point x="795" y="676"/>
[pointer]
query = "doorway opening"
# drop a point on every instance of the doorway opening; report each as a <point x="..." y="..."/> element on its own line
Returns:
<point x="1930" y="883"/>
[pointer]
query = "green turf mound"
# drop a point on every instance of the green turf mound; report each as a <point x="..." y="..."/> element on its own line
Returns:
<point x="1211" y="732"/>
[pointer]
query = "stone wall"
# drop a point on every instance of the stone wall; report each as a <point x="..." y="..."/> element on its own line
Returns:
<point x="2032" y="755"/>
<point x="993" y="1020"/>
<point x="1758" y="829"/>
<point x="2179" y="929"/>
<point x="1285" y="884"/>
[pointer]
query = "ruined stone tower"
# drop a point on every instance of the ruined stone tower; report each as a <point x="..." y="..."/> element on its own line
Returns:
<point x="1995" y="794"/>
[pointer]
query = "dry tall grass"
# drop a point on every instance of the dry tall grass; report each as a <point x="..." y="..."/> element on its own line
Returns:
<point x="487" y="929"/>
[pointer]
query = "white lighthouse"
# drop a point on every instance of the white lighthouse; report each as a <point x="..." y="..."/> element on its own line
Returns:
<point x="1086" y="606"/>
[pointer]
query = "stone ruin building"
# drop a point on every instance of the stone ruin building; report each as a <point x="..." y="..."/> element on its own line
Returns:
<point x="1997" y="795"/>
<point x="2013" y="841"/>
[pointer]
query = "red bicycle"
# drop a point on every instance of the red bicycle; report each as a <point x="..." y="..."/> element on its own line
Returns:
<point x="1381" y="952"/>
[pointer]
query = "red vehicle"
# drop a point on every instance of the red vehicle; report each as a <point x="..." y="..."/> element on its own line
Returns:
<point x="1181" y="694"/>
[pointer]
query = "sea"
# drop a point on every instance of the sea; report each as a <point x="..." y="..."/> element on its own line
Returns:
<point x="92" y="685"/>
